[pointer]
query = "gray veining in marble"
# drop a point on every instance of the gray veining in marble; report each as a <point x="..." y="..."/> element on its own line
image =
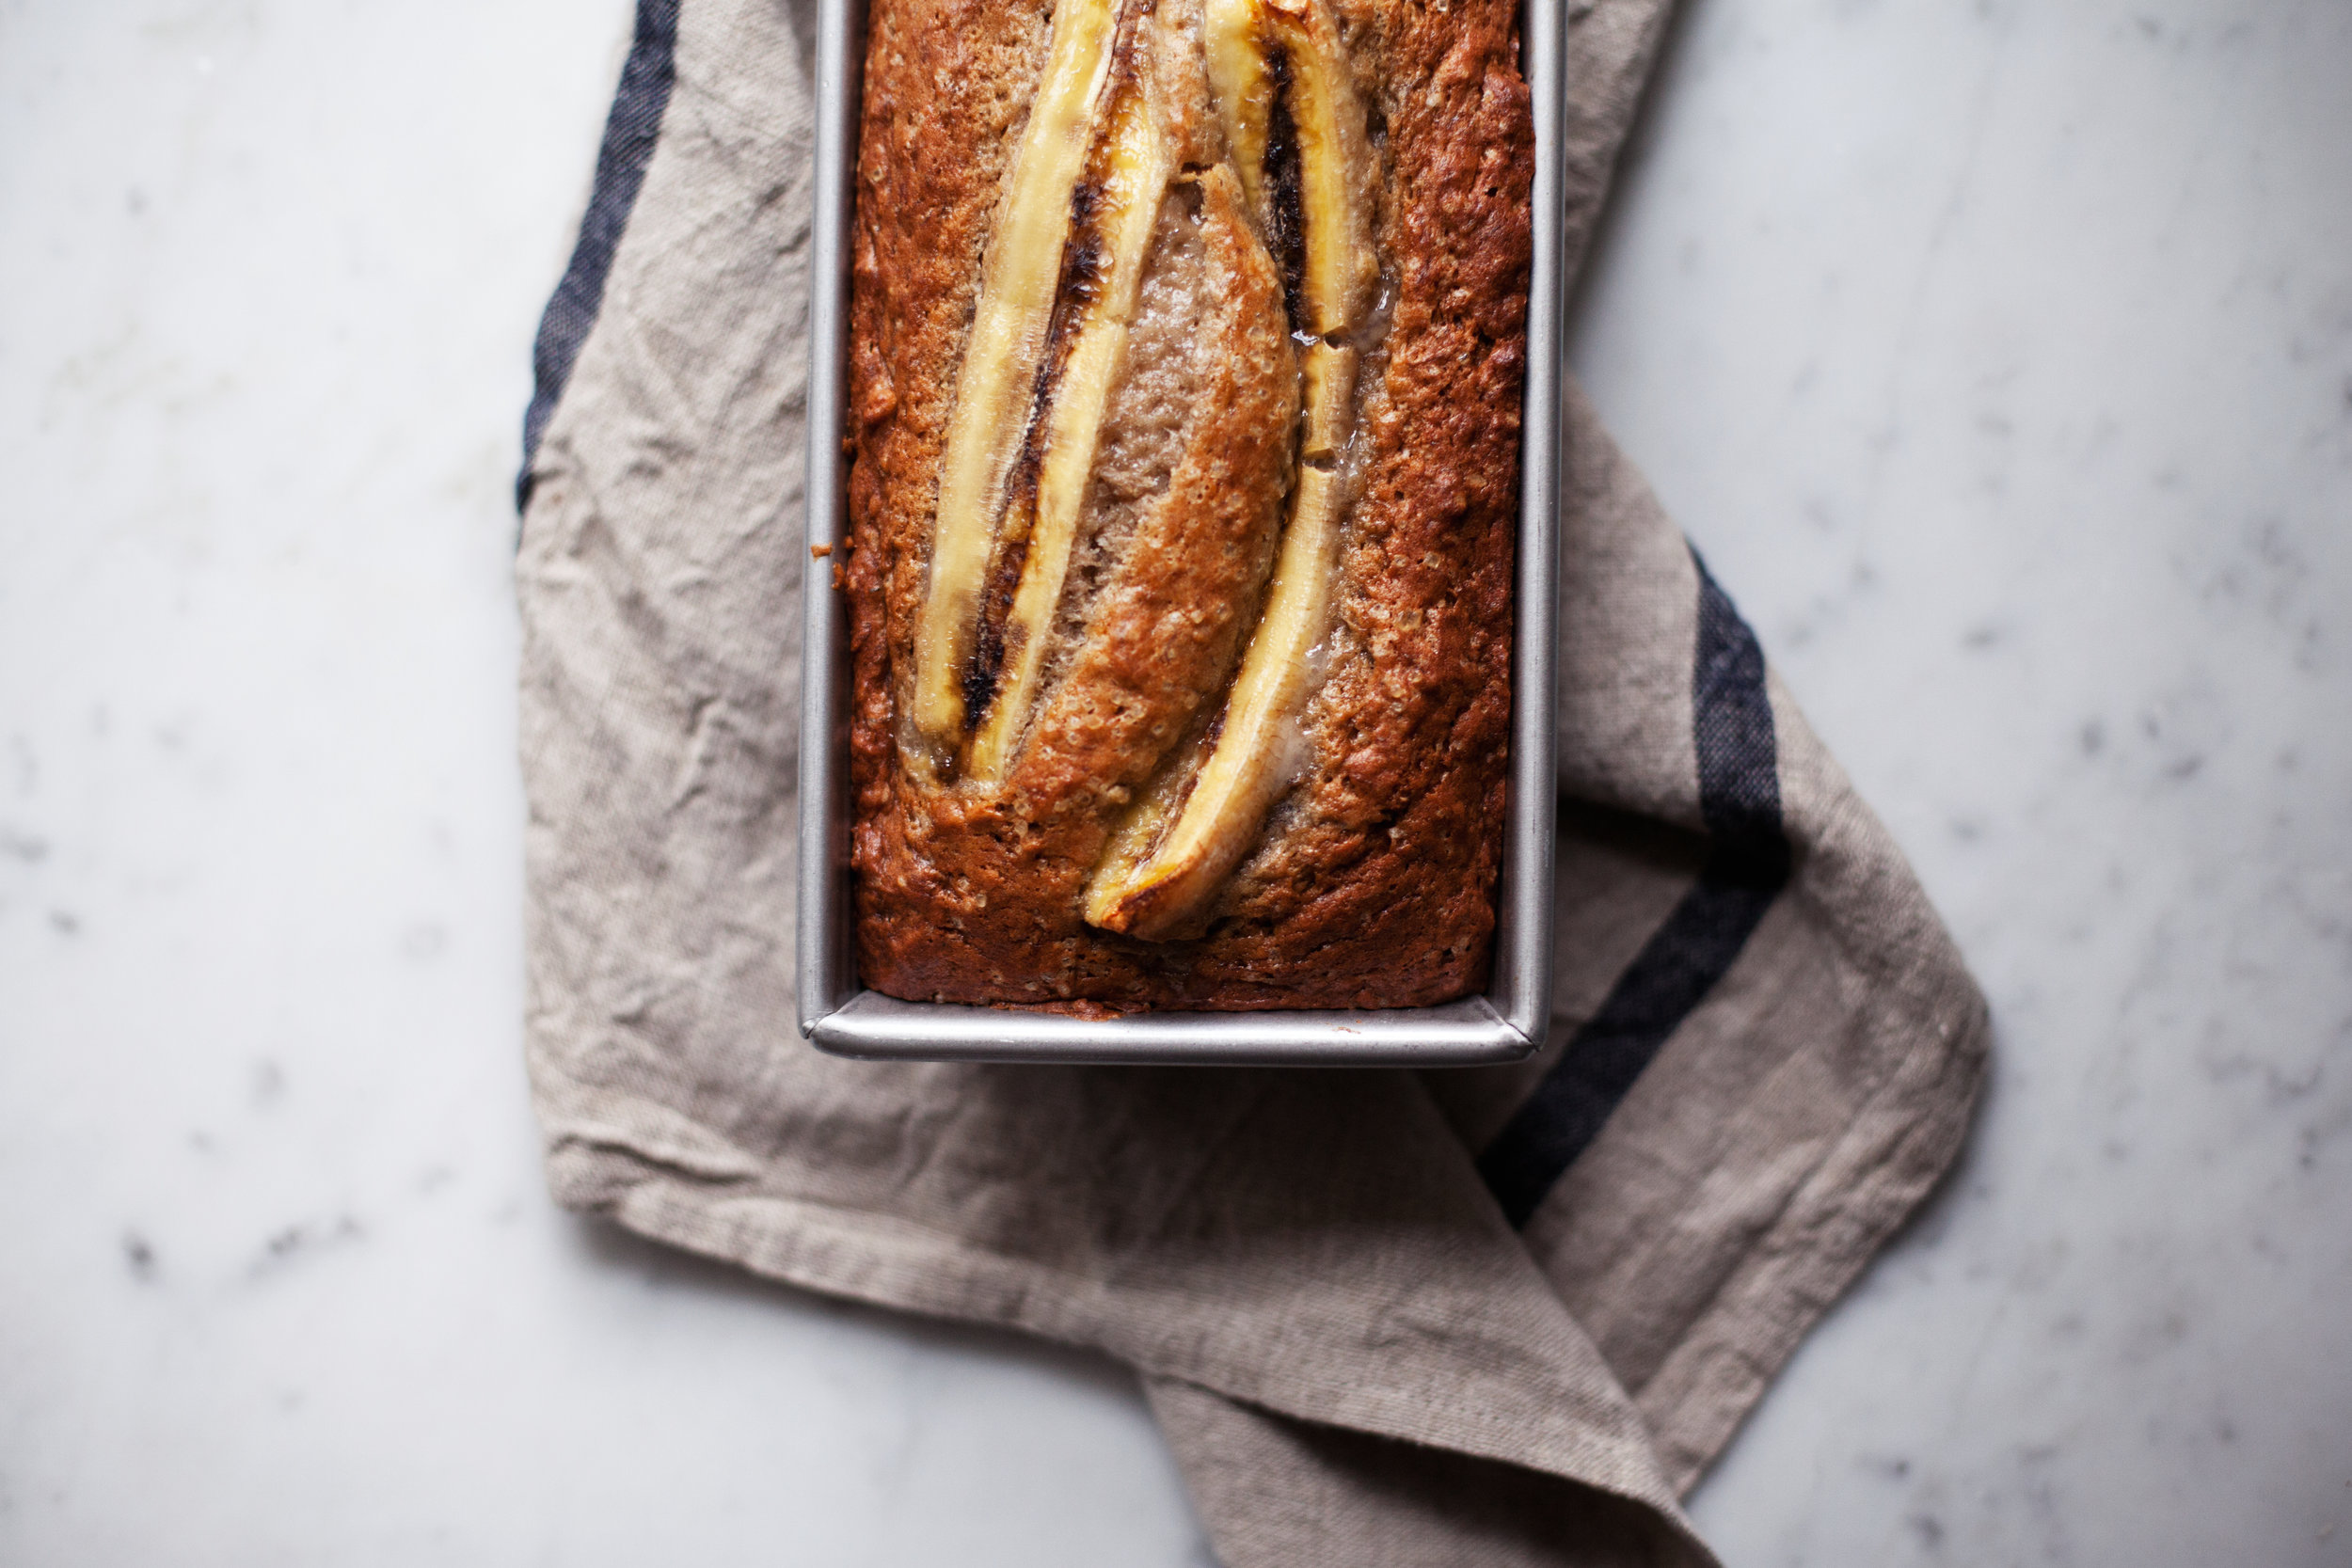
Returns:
<point x="1998" y="356"/>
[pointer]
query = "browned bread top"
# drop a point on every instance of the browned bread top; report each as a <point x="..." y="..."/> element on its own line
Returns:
<point x="1182" y="497"/>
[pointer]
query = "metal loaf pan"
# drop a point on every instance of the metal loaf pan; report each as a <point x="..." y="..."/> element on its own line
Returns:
<point x="839" y="1016"/>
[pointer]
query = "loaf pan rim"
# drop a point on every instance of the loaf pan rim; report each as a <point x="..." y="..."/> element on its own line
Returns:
<point x="1508" y="1021"/>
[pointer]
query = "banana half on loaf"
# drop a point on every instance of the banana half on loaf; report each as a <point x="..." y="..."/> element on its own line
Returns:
<point x="1187" y="341"/>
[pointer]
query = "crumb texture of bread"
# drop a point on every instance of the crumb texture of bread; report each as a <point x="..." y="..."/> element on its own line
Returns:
<point x="1239" y="378"/>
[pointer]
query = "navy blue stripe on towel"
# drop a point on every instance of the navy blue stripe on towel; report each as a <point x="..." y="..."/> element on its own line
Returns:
<point x="629" y="132"/>
<point x="1747" y="865"/>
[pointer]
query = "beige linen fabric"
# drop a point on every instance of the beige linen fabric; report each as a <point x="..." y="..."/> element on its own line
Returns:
<point x="1357" y="1355"/>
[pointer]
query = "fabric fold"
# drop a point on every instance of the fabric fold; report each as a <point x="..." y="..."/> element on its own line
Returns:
<point x="1275" y="1492"/>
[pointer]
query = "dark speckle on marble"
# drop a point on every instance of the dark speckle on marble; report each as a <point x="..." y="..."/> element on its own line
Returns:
<point x="2321" y="1134"/>
<point x="2153" y="1336"/>
<point x="296" y="1242"/>
<point x="2093" y="737"/>
<point x="268" y="1083"/>
<point x="65" y="923"/>
<point x="138" y="1254"/>
<point x="19" y="845"/>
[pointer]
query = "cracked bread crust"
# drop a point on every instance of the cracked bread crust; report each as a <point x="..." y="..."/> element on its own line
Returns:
<point x="1373" y="882"/>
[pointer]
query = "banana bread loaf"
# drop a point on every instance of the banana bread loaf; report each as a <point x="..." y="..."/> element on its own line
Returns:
<point x="1188" y="339"/>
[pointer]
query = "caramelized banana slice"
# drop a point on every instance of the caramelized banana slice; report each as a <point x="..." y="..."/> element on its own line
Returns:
<point x="1124" y="186"/>
<point x="1330" y="403"/>
<point x="1242" y="87"/>
<point x="1000" y="363"/>
<point x="1291" y="113"/>
<point x="1118" y="897"/>
<point x="1327" y="118"/>
<point x="1150" y="888"/>
<point x="1295" y="128"/>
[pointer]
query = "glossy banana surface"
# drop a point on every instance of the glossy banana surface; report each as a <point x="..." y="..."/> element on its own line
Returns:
<point x="1278" y="67"/>
<point x="1124" y="187"/>
<point x="1018" y="285"/>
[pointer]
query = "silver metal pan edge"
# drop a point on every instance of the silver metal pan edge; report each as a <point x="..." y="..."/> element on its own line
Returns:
<point x="1506" y="1023"/>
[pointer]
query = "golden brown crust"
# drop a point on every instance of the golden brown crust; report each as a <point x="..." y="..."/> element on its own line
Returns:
<point x="1373" y="883"/>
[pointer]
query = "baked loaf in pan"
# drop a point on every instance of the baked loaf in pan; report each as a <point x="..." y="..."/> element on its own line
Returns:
<point x="1187" y="339"/>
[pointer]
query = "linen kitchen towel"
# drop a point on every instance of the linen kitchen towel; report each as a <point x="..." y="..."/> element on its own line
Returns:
<point x="1495" y="1316"/>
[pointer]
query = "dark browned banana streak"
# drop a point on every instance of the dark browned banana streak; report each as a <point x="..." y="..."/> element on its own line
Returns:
<point x="1081" y="281"/>
<point x="1285" y="215"/>
<point x="1075" y="291"/>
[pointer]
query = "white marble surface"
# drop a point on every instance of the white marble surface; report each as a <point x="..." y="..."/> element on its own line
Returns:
<point x="1999" y="358"/>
